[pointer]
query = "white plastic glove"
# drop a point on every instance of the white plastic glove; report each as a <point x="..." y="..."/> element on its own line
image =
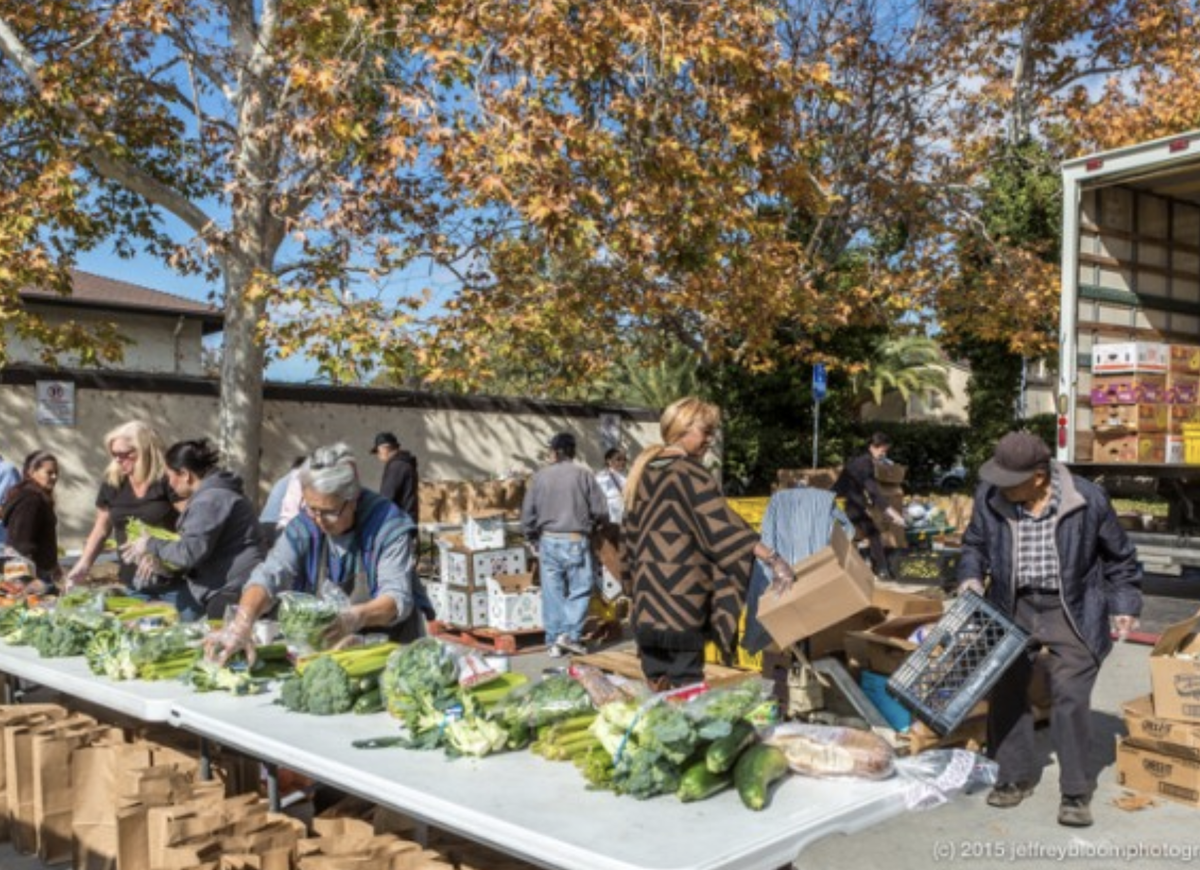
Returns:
<point x="782" y="576"/>
<point x="148" y="568"/>
<point x="971" y="585"/>
<point x="77" y="576"/>
<point x="340" y="634"/>
<point x="236" y="636"/>
<point x="894" y="516"/>
<point x="133" y="551"/>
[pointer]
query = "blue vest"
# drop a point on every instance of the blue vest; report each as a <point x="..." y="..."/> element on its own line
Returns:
<point x="374" y="515"/>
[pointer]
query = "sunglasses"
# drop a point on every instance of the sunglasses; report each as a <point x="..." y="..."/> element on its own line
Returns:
<point x="123" y="455"/>
<point x="329" y="516"/>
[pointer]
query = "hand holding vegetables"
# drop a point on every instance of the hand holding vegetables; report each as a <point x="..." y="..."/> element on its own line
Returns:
<point x="236" y="636"/>
<point x="347" y="624"/>
<point x="134" y="549"/>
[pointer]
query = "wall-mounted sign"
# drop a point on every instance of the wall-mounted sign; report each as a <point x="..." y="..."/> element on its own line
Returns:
<point x="55" y="403"/>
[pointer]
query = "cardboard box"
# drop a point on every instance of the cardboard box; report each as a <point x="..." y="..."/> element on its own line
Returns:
<point x="484" y="530"/>
<point x="884" y="647"/>
<point x="1185" y="358"/>
<point x="467" y="608"/>
<point x="470" y="569"/>
<point x="514" y="602"/>
<point x="1167" y="776"/>
<point x="890" y="472"/>
<point x="1128" y="389"/>
<point x="1160" y="735"/>
<point x="1141" y="448"/>
<point x="1175" y="453"/>
<point x="831" y="585"/>
<point x="1130" y="356"/>
<point x="439" y="596"/>
<point x="919" y="601"/>
<point x="1182" y="389"/>
<point x="1131" y="418"/>
<point x="1175" y="672"/>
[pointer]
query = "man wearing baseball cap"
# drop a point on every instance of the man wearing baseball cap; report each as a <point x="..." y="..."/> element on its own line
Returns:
<point x="400" y="482"/>
<point x="1065" y="571"/>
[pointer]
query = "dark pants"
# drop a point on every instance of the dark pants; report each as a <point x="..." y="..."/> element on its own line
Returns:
<point x="867" y="529"/>
<point x="670" y="668"/>
<point x="1072" y="672"/>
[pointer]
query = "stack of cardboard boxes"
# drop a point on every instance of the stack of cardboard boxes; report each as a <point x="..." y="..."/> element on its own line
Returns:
<point x="1142" y="394"/>
<point x="1161" y="754"/>
<point x="483" y="580"/>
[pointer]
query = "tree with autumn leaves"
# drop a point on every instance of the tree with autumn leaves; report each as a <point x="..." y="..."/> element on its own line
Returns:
<point x="743" y="179"/>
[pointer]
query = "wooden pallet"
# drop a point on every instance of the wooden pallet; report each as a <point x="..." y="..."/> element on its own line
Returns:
<point x="491" y="640"/>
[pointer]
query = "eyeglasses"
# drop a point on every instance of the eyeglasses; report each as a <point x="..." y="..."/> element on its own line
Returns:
<point x="328" y="516"/>
<point x="123" y="455"/>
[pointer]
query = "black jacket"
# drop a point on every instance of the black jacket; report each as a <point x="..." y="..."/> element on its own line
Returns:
<point x="400" y="483"/>
<point x="32" y="525"/>
<point x="1099" y="572"/>
<point x="858" y="486"/>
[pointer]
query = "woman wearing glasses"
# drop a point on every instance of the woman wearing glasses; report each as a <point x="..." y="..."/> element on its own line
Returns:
<point x="345" y="537"/>
<point x="219" y="538"/>
<point x="135" y="486"/>
<point x="689" y="556"/>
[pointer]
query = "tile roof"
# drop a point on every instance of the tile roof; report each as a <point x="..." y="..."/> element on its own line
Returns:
<point x="94" y="291"/>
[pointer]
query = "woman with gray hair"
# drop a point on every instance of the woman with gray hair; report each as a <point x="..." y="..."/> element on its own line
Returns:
<point x="345" y="536"/>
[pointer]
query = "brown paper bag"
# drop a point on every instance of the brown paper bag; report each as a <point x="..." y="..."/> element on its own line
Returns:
<point x="99" y="773"/>
<point x="23" y="776"/>
<point x="15" y="715"/>
<point x="143" y="817"/>
<point x="53" y="792"/>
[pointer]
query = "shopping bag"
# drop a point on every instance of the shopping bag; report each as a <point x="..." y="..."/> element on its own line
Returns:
<point x="19" y="715"/>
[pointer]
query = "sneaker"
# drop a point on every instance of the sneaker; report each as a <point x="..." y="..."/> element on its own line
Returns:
<point x="1009" y="794"/>
<point x="555" y="651"/>
<point x="1074" y="811"/>
<point x="567" y="645"/>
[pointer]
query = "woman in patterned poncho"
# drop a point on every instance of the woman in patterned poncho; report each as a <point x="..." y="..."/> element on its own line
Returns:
<point x="688" y="555"/>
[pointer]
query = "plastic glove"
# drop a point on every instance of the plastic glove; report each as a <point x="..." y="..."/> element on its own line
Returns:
<point x="1123" y="625"/>
<point x="133" y="551"/>
<point x="237" y="636"/>
<point x="148" y="570"/>
<point x="349" y="623"/>
<point x="971" y="586"/>
<point x="782" y="576"/>
<point x="894" y="516"/>
<point x="77" y="576"/>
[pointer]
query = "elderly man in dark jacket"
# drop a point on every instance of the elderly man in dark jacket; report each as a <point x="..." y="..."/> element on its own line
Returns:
<point x="1065" y="571"/>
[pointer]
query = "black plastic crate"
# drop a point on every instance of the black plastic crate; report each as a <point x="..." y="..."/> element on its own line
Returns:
<point x="957" y="663"/>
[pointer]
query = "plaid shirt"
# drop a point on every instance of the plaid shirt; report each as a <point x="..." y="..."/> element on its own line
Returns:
<point x="1037" y="554"/>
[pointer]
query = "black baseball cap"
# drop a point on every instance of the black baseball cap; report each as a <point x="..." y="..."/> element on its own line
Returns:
<point x="385" y="439"/>
<point x="563" y="442"/>
<point x="1017" y="457"/>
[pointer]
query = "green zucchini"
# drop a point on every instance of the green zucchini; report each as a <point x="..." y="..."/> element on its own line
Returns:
<point x="724" y="752"/>
<point x="369" y="702"/>
<point x="756" y="771"/>
<point x="698" y="783"/>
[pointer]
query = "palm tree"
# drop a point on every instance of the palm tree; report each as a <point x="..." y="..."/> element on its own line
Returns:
<point x="656" y="383"/>
<point x="908" y="365"/>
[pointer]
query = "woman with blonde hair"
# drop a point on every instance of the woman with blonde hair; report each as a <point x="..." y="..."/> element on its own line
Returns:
<point x="688" y="555"/>
<point x="135" y="486"/>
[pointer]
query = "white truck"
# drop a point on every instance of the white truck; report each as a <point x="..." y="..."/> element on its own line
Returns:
<point x="1131" y="287"/>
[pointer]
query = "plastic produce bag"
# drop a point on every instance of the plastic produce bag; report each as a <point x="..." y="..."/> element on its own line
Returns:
<point x="937" y="775"/>
<point x="833" y="751"/>
<point x="304" y="619"/>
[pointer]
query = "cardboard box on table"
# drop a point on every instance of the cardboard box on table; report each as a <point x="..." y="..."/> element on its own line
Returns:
<point x="890" y="472"/>
<point x="884" y="647"/>
<point x="831" y="585"/>
<point x="514" y="602"/>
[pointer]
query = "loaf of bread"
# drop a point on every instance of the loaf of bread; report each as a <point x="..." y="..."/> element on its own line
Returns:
<point x="834" y="751"/>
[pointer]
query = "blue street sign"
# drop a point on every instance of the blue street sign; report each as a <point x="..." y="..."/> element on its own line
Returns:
<point x="819" y="386"/>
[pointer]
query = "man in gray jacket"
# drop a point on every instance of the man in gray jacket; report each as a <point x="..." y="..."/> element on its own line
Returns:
<point x="561" y="506"/>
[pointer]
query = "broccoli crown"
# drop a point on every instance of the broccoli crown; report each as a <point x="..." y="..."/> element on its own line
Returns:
<point x="291" y="694"/>
<point x="327" y="688"/>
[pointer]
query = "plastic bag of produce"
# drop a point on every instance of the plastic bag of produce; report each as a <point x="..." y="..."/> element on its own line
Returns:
<point x="304" y="619"/>
<point x="832" y="751"/>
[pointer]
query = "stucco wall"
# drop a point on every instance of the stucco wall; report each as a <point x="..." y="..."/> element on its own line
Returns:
<point x="457" y="439"/>
<point x="153" y="347"/>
